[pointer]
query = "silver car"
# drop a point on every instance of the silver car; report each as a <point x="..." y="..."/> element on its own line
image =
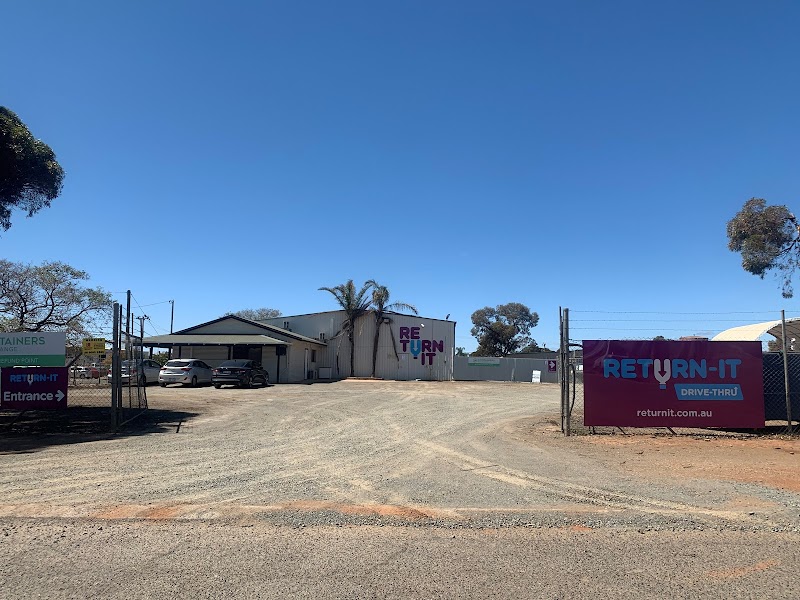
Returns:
<point x="138" y="372"/>
<point x="188" y="371"/>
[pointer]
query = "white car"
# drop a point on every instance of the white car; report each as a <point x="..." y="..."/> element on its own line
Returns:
<point x="188" y="371"/>
<point x="81" y="372"/>
<point x="138" y="372"/>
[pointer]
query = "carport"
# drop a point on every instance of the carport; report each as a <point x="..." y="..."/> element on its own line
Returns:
<point x="288" y="356"/>
<point x="215" y="348"/>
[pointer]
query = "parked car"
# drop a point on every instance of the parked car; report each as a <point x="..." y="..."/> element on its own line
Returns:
<point x="239" y="372"/>
<point x="186" y="371"/>
<point x="83" y="372"/>
<point x="141" y="372"/>
<point x="101" y="368"/>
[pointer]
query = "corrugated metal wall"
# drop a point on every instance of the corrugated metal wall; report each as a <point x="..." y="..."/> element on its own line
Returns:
<point x="509" y="369"/>
<point x="425" y="347"/>
<point x="213" y="355"/>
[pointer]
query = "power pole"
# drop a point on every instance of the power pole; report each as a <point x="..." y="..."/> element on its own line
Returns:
<point x="172" y="316"/>
<point x="141" y="334"/>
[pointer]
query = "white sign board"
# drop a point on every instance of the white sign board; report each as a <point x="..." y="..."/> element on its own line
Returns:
<point x="33" y="348"/>
<point x="536" y="377"/>
<point x="483" y="361"/>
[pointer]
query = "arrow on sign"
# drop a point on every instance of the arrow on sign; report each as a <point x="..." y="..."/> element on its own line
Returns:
<point x="59" y="395"/>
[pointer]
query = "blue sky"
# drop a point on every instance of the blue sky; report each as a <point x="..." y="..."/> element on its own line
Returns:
<point x="577" y="154"/>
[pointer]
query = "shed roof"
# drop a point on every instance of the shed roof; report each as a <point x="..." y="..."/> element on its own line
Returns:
<point x="202" y="339"/>
<point x="754" y="331"/>
<point x="260" y="324"/>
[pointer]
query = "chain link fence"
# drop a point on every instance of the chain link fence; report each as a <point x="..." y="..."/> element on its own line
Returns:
<point x="782" y="413"/>
<point x="97" y="401"/>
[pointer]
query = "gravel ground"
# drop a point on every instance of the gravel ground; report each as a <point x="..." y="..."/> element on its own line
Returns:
<point x="364" y="452"/>
<point x="473" y="462"/>
<point x="210" y="559"/>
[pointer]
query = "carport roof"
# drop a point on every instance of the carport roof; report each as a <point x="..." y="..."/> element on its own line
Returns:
<point x="203" y="339"/>
<point x="754" y="331"/>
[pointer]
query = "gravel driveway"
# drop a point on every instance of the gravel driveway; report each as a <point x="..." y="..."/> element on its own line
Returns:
<point x="392" y="490"/>
<point x="453" y="453"/>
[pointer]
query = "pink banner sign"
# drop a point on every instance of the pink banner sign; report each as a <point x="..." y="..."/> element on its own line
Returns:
<point x="673" y="384"/>
<point x="27" y="388"/>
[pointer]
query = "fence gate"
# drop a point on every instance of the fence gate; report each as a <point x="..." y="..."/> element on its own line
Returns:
<point x="128" y="396"/>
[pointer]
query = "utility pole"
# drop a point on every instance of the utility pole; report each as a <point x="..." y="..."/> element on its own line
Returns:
<point x="141" y="334"/>
<point x="172" y="316"/>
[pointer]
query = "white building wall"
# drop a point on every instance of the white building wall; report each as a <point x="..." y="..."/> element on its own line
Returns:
<point x="424" y="347"/>
<point x="269" y="360"/>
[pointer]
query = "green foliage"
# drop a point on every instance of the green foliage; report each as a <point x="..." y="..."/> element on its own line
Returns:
<point x="50" y="297"/>
<point x="503" y="330"/>
<point x="161" y="357"/>
<point x="461" y="351"/>
<point x="534" y="347"/>
<point x="256" y="314"/>
<point x="355" y="304"/>
<point x="767" y="238"/>
<point x="30" y="176"/>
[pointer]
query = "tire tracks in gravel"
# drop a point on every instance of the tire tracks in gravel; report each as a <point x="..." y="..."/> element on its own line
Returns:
<point x="583" y="494"/>
<point x="291" y="450"/>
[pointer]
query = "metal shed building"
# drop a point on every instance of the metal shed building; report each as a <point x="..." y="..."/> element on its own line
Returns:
<point x="313" y="346"/>
<point x="409" y="347"/>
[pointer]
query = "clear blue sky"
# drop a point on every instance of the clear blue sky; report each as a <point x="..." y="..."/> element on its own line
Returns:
<point x="243" y="154"/>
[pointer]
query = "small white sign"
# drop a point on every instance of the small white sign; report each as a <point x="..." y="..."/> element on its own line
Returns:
<point x="483" y="361"/>
<point x="536" y="377"/>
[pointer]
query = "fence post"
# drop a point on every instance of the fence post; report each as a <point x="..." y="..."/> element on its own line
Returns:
<point x="786" y="373"/>
<point x="567" y="371"/>
<point x="560" y="366"/>
<point x="115" y="400"/>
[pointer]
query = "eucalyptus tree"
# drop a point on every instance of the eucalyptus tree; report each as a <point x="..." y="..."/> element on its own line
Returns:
<point x="380" y="305"/>
<point x="50" y="297"/>
<point x="355" y="304"/>
<point x="256" y="314"/>
<point x="767" y="237"/>
<point x="503" y="330"/>
<point x="30" y="176"/>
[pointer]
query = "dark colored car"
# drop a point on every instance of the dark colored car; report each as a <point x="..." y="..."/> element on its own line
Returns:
<point x="239" y="372"/>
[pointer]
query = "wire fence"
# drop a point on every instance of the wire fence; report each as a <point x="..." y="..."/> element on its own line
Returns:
<point x="781" y="411"/>
<point x="100" y="395"/>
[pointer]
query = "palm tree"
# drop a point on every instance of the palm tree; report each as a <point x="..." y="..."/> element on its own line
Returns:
<point x="380" y="304"/>
<point x="355" y="305"/>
